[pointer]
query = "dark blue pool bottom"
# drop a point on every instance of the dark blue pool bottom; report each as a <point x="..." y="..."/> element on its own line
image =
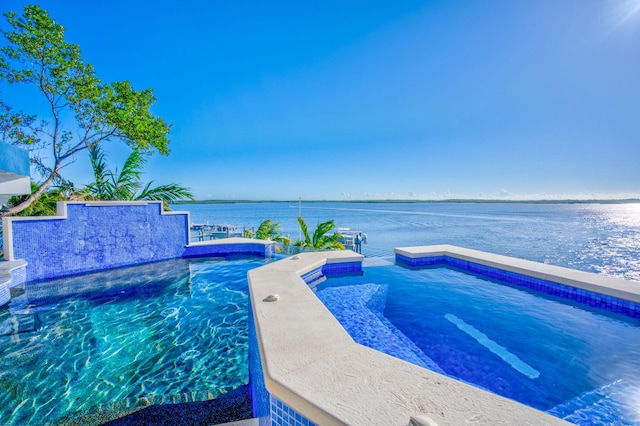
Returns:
<point x="584" y="297"/>
<point x="580" y="395"/>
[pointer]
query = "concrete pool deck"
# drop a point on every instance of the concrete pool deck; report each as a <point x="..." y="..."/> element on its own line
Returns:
<point x="311" y="364"/>
<point x="11" y="274"/>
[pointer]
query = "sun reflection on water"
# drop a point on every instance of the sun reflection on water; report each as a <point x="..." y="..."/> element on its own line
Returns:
<point x="618" y="243"/>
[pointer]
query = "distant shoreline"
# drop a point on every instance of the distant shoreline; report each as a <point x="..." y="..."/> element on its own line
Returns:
<point x="449" y="201"/>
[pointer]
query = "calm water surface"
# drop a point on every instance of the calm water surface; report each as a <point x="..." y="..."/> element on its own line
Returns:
<point x="575" y="362"/>
<point x="599" y="238"/>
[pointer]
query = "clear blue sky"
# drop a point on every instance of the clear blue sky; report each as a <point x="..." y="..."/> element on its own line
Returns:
<point x="376" y="99"/>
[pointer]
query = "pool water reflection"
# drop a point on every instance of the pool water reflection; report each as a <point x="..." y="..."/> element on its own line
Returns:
<point x="115" y="341"/>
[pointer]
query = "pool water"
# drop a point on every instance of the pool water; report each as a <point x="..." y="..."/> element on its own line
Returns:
<point x="576" y="363"/>
<point x="109" y="343"/>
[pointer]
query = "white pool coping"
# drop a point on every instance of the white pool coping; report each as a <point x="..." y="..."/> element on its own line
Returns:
<point x="230" y="241"/>
<point x="6" y="277"/>
<point x="312" y="364"/>
<point x="6" y="267"/>
<point x="610" y="286"/>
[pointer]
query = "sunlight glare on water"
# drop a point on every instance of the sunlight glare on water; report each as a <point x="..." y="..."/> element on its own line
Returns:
<point x="592" y="237"/>
<point x="617" y="241"/>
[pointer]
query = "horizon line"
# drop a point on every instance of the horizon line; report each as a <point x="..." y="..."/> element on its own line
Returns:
<point x="413" y="200"/>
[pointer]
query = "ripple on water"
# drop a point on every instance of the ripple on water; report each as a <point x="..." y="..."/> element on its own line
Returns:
<point x="190" y="354"/>
<point x="184" y="341"/>
<point x="170" y="312"/>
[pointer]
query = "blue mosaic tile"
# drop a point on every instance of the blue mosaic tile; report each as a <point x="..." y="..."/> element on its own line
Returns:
<point x="98" y="237"/>
<point x="283" y="415"/>
<point x="331" y="269"/>
<point x="260" y="399"/>
<point x="585" y="297"/>
<point x="224" y="250"/>
<point x="312" y="276"/>
<point x="341" y="268"/>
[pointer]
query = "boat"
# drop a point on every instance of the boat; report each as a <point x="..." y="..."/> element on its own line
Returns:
<point x="224" y="231"/>
<point x="205" y="231"/>
<point x="351" y="239"/>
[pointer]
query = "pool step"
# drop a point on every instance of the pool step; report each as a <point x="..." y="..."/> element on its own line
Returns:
<point x="608" y="404"/>
<point x="359" y="308"/>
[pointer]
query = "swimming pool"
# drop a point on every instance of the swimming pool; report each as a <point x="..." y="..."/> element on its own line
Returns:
<point x="103" y="345"/>
<point x="575" y="362"/>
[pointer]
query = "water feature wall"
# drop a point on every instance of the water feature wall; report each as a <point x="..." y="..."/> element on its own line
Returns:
<point x="93" y="236"/>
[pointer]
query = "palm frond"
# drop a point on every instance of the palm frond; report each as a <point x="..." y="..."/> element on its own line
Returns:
<point x="45" y="205"/>
<point x="331" y="242"/>
<point x="167" y="193"/>
<point x="286" y="241"/>
<point x="101" y="188"/>
<point x="266" y="230"/>
<point x="305" y="231"/>
<point x="321" y="231"/>
<point x="127" y="182"/>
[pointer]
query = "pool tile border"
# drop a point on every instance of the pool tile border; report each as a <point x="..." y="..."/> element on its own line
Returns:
<point x="556" y="279"/>
<point x="582" y="296"/>
<point x="283" y="415"/>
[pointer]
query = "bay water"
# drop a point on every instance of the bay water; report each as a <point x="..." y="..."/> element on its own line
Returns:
<point x="602" y="238"/>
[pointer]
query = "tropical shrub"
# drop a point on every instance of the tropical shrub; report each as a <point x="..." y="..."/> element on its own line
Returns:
<point x="321" y="239"/>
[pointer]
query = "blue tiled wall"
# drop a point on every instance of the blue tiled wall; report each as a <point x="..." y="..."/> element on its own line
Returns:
<point x="258" y="390"/>
<point x="596" y="300"/>
<point x="331" y="269"/>
<point x="95" y="237"/>
<point x="257" y="249"/>
<point x="283" y="415"/>
<point x="341" y="268"/>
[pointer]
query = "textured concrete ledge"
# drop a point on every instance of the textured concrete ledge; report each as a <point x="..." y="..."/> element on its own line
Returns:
<point x="12" y="273"/>
<point x="610" y="286"/>
<point x="313" y="365"/>
<point x="7" y="267"/>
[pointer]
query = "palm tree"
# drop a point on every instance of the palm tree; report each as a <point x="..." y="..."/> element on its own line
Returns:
<point x="270" y="230"/>
<point x="126" y="184"/>
<point x="320" y="240"/>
